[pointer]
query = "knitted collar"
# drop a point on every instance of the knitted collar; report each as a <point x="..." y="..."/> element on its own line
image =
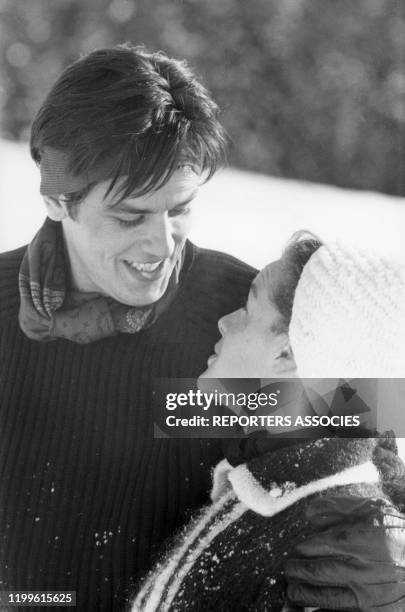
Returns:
<point x="274" y="481"/>
<point x="49" y="310"/>
<point x="346" y="398"/>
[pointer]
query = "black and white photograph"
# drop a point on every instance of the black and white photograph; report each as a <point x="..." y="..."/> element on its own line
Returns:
<point x="202" y="305"/>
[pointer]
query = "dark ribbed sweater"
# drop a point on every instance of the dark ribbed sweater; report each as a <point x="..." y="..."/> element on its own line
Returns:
<point x="87" y="493"/>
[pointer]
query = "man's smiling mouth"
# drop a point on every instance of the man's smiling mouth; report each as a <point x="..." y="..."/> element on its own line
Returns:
<point x="145" y="267"/>
<point x="150" y="271"/>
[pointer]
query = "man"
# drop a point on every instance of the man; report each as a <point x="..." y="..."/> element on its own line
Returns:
<point x="108" y="297"/>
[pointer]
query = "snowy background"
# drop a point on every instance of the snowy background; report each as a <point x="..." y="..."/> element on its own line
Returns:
<point x="248" y="215"/>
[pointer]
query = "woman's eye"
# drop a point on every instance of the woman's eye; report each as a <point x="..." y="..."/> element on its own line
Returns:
<point x="131" y="223"/>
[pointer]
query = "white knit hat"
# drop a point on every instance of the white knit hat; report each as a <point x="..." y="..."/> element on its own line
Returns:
<point x="348" y="318"/>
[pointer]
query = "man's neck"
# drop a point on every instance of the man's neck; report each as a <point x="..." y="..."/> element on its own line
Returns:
<point x="76" y="277"/>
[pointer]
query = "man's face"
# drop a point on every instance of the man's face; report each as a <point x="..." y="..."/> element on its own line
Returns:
<point x="128" y="250"/>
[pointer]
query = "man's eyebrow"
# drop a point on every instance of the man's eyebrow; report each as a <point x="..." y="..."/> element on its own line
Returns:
<point x="125" y="207"/>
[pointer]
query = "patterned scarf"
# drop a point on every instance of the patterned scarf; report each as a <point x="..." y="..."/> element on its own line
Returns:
<point x="50" y="310"/>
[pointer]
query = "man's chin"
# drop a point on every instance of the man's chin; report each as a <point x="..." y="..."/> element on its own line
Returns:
<point x="140" y="297"/>
<point x="144" y="302"/>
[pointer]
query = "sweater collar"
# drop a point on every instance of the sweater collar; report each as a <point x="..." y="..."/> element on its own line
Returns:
<point x="275" y="480"/>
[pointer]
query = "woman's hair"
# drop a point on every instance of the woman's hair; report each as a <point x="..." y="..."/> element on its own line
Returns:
<point x="300" y="248"/>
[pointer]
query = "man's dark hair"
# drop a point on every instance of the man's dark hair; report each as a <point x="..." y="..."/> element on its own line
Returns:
<point x="144" y="111"/>
<point x="300" y="248"/>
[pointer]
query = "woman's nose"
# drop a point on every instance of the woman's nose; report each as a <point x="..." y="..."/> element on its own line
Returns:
<point x="225" y="323"/>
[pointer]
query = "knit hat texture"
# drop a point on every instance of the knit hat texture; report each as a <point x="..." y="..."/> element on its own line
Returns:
<point x="348" y="318"/>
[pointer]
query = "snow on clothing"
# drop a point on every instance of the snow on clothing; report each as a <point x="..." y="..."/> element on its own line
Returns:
<point x="231" y="556"/>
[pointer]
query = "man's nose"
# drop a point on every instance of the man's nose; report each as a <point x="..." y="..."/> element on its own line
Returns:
<point x="159" y="240"/>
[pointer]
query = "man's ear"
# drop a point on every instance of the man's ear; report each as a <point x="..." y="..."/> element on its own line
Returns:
<point x="284" y="362"/>
<point x="56" y="208"/>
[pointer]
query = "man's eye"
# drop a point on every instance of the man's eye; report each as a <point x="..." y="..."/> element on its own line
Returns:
<point x="179" y="210"/>
<point x="131" y="223"/>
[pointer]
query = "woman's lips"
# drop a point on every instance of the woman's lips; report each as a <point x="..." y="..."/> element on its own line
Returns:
<point x="211" y="359"/>
<point x="217" y="349"/>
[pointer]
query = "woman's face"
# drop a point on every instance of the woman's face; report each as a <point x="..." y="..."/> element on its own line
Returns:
<point x="254" y="343"/>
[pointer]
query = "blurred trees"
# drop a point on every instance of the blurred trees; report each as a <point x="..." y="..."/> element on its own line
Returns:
<point x="310" y="89"/>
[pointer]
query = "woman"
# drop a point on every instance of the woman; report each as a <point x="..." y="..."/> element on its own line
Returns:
<point x="320" y="311"/>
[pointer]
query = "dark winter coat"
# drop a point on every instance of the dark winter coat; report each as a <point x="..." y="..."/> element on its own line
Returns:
<point x="231" y="556"/>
